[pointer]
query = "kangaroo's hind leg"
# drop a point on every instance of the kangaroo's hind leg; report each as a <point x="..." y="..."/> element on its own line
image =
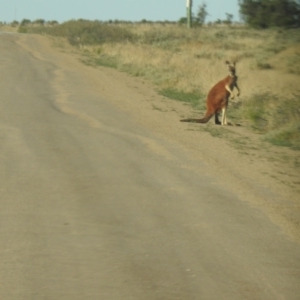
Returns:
<point x="217" y="121"/>
<point x="224" y="115"/>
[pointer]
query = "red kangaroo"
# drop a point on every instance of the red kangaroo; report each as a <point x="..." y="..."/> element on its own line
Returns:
<point x="217" y="98"/>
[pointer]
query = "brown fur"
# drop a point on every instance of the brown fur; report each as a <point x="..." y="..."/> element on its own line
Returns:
<point x="217" y="98"/>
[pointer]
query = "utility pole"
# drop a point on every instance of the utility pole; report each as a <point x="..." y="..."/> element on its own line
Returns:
<point x="189" y="4"/>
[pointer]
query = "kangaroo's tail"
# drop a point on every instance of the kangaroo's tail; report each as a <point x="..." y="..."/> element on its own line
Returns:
<point x="203" y="120"/>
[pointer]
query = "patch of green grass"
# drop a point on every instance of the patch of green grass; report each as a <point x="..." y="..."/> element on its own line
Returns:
<point x="275" y="48"/>
<point x="210" y="55"/>
<point x="263" y="65"/>
<point x="215" y="131"/>
<point x="22" y="29"/>
<point x="287" y="37"/>
<point x="293" y="63"/>
<point x="205" y="55"/>
<point x="102" y="60"/>
<point x="134" y="70"/>
<point x="287" y="137"/>
<point x="241" y="143"/>
<point x="297" y="163"/>
<point x="276" y="118"/>
<point x="254" y="111"/>
<point x="195" y="99"/>
<point x="218" y="131"/>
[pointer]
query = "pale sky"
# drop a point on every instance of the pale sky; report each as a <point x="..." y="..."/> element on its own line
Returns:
<point x="129" y="10"/>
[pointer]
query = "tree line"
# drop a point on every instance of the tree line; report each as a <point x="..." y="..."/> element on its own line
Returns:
<point x="257" y="13"/>
<point x="270" y="13"/>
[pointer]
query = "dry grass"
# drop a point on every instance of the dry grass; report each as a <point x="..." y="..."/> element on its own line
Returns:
<point x="194" y="60"/>
<point x="7" y="28"/>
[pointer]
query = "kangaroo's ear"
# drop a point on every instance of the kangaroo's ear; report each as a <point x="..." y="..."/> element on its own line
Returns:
<point x="227" y="62"/>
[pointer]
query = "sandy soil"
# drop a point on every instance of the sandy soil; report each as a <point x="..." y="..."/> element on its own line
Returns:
<point x="265" y="176"/>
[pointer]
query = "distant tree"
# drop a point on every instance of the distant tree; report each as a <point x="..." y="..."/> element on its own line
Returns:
<point x="182" y="21"/>
<point x="14" y="23"/>
<point x="25" y="22"/>
<point x="39" y="22"/>
<point x="201" y="14"/>
<point x="52" y="23"/>
<point x="229" y="18"/>
<point x="270" y="13"/>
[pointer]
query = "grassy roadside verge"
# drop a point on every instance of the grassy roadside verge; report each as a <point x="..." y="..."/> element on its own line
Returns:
<point x="185" y="64"/>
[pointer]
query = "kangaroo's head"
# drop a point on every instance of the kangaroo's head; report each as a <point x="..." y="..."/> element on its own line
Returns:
<point x="231" y="68"/>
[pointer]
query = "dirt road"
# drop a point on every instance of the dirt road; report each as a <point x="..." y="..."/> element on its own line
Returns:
<point x="105" y="195"/>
